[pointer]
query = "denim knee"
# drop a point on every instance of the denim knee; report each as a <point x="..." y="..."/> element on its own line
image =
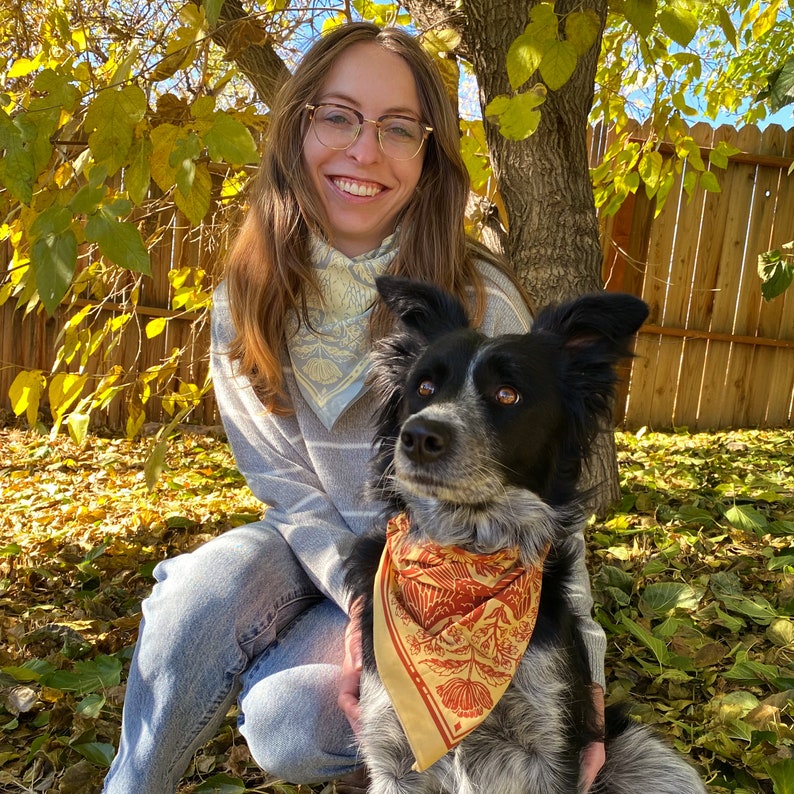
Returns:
<point x="232" y="587"/>
<point x="294" y="728"/>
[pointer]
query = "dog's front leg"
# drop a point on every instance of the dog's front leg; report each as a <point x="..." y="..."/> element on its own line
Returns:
<point x="386" y="751"/>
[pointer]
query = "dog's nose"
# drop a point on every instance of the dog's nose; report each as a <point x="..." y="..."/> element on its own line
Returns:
<point x="423" y="442"/>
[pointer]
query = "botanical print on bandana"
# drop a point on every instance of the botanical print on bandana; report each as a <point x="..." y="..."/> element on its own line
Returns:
<point x="330" y="354"/>
<point x="450" y="630"/>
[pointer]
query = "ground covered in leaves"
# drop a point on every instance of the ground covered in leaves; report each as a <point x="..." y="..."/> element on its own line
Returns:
<point x="693" y="579"/>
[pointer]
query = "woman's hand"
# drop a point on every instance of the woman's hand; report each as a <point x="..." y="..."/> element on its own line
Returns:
<point x="348" y="699"/>
<point x="593" y="756"/>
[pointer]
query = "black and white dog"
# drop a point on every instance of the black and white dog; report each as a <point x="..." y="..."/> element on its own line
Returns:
<point x="482" y="441"/>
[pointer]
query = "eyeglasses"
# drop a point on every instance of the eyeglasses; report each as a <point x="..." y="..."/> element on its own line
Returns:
<point x="338" y="127"/>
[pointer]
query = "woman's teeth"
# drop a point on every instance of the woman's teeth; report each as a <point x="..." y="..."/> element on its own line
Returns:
<point x="357" y="188"/>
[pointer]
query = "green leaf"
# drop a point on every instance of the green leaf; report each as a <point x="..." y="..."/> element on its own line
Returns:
<point x="230" y="140"/>
<point x="644" y="637"/>
<point x="679" y="21"/>
<point x="87" y="199"/>
<point x="662" y="598"/>
<point x="221" y="784"/>
<point x="776" y="272"/>
<point x="53" y="255"/>
<point x="17" y="169"/>
<point x="213" y="10"/>
<point x="118" y="241"/>
<point x="709" y="182"/>
<point x="197" y="203"/>
<point x="747" y="519"/>
<point x="137" y="174"/>
<point x="111" y="119"/>
<point x="782" y="775"/>
<point x="89" y="676"/>
<point x="558" y="63"/>
<point x="183" y="160"/>
<point x="98" y="753"/>
<point x="751" y="672"/>
<point x="755" y="607"/>
<point x="641" y="15"/>
<point x="91" y="706"/>
<point x="781" y="86"/>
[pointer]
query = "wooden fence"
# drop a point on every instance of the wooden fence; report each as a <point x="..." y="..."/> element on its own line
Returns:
<point x="712" y="355"/>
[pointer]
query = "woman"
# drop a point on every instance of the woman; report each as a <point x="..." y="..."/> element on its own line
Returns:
<point x="362" y="176"/>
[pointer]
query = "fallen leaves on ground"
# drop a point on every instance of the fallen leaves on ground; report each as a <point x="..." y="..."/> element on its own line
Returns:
<point x="693" y="581"/>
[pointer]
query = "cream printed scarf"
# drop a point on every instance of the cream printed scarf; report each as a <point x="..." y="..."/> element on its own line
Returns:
<point x="330" y="354"/>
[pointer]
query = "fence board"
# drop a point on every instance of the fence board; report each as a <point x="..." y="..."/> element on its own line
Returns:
<point x="777" y="318"/>
<point x="749" y="405"/>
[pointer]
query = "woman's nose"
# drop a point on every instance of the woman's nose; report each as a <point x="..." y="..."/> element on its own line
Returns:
<point x="366" y="147"/>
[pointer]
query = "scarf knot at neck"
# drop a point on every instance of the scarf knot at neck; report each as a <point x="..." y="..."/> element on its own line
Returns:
<point x="450" y="630"/>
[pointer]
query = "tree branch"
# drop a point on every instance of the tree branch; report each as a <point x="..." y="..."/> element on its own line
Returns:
<point x="248" y="44"/>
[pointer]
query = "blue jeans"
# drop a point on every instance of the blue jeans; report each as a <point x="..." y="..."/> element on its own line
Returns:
<point x="237" y="616"/>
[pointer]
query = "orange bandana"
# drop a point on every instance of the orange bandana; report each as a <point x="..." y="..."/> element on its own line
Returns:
<point x="450" y="629"/>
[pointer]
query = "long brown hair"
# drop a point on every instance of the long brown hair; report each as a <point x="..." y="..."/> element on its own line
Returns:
<point x="268" y="270"/>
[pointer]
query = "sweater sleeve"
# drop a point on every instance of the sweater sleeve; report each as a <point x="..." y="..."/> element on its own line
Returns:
<point x="507" y="313"/>
<point x="270" y="454"/>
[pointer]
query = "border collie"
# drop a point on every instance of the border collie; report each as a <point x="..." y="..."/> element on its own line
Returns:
<point x="480" y="441"/>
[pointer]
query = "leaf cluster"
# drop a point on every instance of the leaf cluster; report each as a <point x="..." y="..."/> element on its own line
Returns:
<point x="666" y="62"/>
<point x="693" y="576"/>
<point x="694" y="583"/>
<point x="116" y="127"/>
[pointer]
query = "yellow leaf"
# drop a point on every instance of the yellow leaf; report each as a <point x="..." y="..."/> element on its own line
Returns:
<point x="155" y="327"/>
<point x="24" y="66"/>
<point x="197" y="202"/>
<point x="582" y="29"/>
<point x="64" y="389"/>
<point x="523" y="58"/>
<point x="438" y="41"/>
<point x="77" y="423"/>
<point x="163" y="140"/>
<point x="543" y="22"/>
<point x="766" y="20"/>
<point x="558" y="64"/>
<point x="111" y="118"/>
<point x="25" y="393"/>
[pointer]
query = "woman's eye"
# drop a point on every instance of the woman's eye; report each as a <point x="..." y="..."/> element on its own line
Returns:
<point x="507" y="395"/>
<point x="426" y="388"/>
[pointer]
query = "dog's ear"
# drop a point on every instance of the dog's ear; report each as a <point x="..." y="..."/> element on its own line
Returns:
<point x="422" y="307"/>
<point x="593" y="333"/>
<point x="597" y="327"/>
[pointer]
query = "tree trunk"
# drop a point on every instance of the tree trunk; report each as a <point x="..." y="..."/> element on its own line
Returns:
<point x="544" y="181"/>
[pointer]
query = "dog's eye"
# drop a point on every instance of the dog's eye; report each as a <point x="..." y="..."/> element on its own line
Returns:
<point x="507" y="395"/>
<point x="426" y="388"/>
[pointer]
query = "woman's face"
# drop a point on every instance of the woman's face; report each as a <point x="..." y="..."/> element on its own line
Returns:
<point x="362" y="190"/>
